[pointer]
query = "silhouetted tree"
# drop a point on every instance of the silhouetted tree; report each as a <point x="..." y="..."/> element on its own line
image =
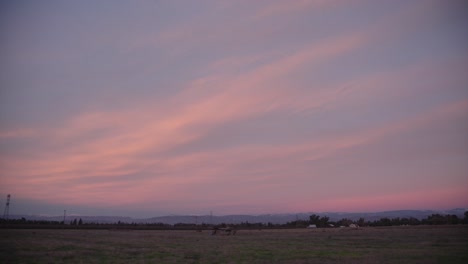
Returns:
<point x="414" y="221"/>
<point x="436" y="219"/>
<point x="361" y="222"/>
<point x="318" y="221"/>
<point x="452" y="219"/>
<point x="344" y="222"/>
<point x="314" y="219"/>
<point x="323" y="221"/>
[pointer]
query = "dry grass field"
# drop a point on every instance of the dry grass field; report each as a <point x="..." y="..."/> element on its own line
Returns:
<point x="406" y="244"/>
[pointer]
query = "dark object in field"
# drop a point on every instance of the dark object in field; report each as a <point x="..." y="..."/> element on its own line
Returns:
<point x="223" y="231"/>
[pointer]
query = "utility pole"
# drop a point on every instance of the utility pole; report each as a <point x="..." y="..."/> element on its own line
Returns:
<point x="64" y="214"/>
<point x="7" y="208"/>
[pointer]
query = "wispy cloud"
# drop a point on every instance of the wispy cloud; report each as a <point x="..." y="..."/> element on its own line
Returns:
<point x="16" y="133"/>
<point x="248" y="107"/>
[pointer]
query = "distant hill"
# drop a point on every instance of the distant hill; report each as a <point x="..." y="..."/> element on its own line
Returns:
<point x="235" y="219"/>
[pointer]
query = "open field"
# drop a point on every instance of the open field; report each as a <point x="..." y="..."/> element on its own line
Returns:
<point x="406" y="244"/>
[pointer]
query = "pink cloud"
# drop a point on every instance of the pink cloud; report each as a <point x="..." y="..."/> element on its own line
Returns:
<point x="99" y="155"/>
<point x="17" y="133"/>
<point x="114" y="156"/>
<point x="88" y="158"/>
<point x="422" y="199"/>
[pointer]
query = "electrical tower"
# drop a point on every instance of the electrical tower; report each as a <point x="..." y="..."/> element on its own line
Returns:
<point x="7" y="208"/>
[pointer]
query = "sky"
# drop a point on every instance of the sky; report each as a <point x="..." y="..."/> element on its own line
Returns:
<point x="149" y="108"/>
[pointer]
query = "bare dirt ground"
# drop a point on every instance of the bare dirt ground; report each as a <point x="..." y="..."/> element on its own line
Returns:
<point x="405" y="244"/>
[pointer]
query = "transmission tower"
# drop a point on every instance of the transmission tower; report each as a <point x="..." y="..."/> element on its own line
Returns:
<point x="7" y="208"/>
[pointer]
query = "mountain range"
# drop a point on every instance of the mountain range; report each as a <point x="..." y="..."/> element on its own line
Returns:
<point x="234" y="219"/>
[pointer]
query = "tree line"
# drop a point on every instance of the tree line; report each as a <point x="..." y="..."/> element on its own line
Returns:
<point x="314" y="220"/>
<point x="434" y="219"/>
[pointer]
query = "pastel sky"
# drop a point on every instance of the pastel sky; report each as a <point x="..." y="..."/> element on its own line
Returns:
<point x="147" y="108"/>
